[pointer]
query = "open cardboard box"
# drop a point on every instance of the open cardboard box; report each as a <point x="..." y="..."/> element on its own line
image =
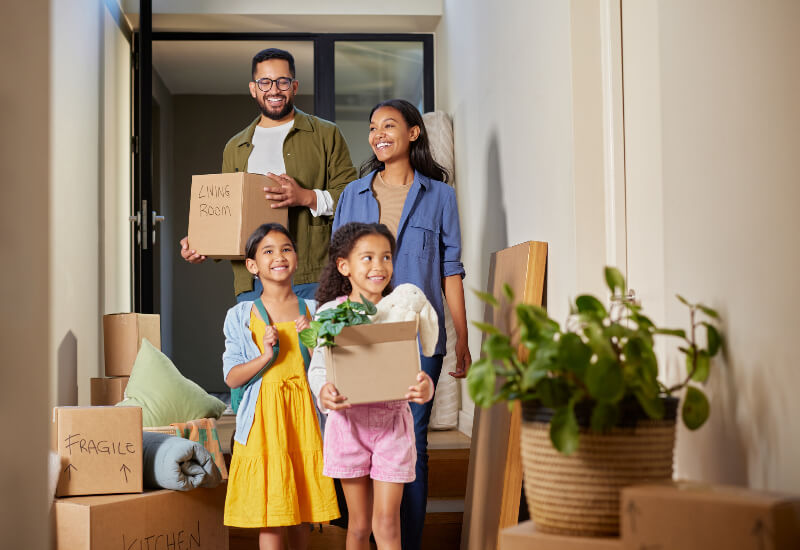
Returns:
<point x="225" y="209"/>
<point x="122" y="337"/>
<point x="155" y="519"/>
<point x="698" y="516"/>
<point x="375" y="362"/>
<point x="100" y="449"/>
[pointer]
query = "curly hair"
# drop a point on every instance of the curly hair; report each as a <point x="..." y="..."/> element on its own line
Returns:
<point x="333" y="284"/>
<point x="419" y="151"/>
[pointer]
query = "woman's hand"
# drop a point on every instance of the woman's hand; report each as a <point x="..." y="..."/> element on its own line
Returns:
<point x="270" y="339"/>
<point x="330" y="398"/>
<point x="302" y="323"/>
<point x="463" y="359"/>
<point x="422" y="392"/>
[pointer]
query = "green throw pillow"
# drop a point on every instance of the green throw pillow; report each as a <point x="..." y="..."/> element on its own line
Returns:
<point x="163" y="393"/>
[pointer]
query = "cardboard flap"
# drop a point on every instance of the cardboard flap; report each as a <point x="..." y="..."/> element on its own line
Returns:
<point x="364" y="335"/>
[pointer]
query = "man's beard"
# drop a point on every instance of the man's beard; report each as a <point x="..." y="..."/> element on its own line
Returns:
<point x="287" y="108"/>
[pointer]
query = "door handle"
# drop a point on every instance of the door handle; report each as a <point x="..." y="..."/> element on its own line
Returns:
<point x="156" y="219"/>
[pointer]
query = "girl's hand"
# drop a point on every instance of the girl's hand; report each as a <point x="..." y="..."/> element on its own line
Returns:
<point x="330" y="398"/>
<point x="270" y="339"/>
<point x="302" y="323"/>
<point x="463" y="359"/>
<point x="422" y="392"/>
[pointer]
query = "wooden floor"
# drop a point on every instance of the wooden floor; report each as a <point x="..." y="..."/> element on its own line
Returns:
<point x="447" y="480"/>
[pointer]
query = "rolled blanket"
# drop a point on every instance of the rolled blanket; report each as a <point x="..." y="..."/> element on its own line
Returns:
<point x="175" y="463"/>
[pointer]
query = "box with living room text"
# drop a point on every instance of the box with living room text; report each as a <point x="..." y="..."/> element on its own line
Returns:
<point x="377" y="362"/>
<point x="224" y="209"/>
<point x="100" y="450"/>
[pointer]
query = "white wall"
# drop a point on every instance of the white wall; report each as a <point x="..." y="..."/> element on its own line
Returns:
<point x="24" y="293"/>
<point x="711" y="119"/>
<point x="529" y="142"/>
<point x="75" y="178"/>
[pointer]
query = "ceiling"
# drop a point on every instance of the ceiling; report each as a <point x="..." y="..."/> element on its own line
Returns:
<point x="222" y="67"/>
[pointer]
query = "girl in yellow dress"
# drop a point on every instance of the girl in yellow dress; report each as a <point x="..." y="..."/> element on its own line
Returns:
<point x="275" y="479"/>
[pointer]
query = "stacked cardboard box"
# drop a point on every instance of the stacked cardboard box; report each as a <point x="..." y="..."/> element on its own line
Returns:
<point x="154" y="519"/>
<point x="100" y="449"/>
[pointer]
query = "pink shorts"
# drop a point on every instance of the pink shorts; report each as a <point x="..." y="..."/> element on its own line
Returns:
<point x="374" y="439"/>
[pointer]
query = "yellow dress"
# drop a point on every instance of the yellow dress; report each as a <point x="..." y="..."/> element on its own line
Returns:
<point x="276" y="479"/>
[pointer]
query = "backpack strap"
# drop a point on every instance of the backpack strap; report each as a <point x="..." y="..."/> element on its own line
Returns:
<point x="303" y="350"/>
<point x="238" y="393"/>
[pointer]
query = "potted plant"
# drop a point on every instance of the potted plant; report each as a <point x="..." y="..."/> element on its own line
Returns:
<point x="595" y="415"/>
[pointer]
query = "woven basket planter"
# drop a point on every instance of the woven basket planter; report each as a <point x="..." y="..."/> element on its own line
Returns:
<point x="579" y="494"/>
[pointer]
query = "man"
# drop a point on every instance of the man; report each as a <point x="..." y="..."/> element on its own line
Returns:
<point x="305" y="155"/>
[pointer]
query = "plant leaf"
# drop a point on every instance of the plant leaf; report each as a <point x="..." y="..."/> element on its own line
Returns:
<point x="695" y="409"/>
<point x="653" y="406"/>
<point x="713" y="338"/>
<point x="708" y="311"/>
<point x="497" y="346"/>
<point x="564" y="430"/>
<point x="481" y="382"/>
<point x="604" y="380"/>
<point x="679" y="332"/>
<point x="573" y="353"/>
<point x="335" y="328"/>
<point x="604" y="417"/>
<point x="508" y="292"/>
<point x="553" y="392"/>
<point x="369" y="307"/>
<point x="589" y="304"/>
<point x="683" y="300"/>
<point x="487" y="298"/>
<point x="486" y="327"/>
<point x="309" y="337"/>
<point x="703" y="366"/>
<point x="615" y="280"/>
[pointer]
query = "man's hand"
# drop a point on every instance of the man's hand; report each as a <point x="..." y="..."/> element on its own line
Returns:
<point x="330" y="398"/>
<point x="190" y="255"/>
<point x="422" y="392"/>
<point x="463" y="359"/>
<point x="290" y="193"/>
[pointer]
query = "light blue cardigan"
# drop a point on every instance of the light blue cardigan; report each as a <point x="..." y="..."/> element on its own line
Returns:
<point x="240" y="348"/>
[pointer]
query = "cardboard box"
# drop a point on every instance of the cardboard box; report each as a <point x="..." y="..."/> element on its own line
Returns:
<point x="100" y="449"/>
<point x="108" y="391"/>
<point x="225" y="209"/>
<point x="696" y="516"/>
<point x="374" y="362"/>
<point x="155" y="520"/>
<point x="525" y="537"/>
<point x="122" y="338"/>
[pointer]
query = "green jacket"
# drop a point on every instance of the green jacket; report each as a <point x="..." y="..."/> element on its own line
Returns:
<point x="316" y="156"/>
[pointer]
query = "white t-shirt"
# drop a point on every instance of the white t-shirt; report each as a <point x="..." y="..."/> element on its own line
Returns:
<point x="267" y="156"/>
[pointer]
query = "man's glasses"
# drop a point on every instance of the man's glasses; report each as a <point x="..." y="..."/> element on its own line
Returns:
<point x="283" y="83"/>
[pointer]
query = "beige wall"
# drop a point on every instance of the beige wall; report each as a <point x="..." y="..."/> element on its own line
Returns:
<point x="25" y="294"/>
<point x="711" y="119"/>
<point x="532" y="120"/>
<point x="75" y="176"/>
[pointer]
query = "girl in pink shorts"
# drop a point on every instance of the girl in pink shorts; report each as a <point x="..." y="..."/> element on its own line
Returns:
<point x="369" y="447"/>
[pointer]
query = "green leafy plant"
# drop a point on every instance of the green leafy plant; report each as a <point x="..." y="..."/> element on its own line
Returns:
<point x="602" y="359"/>
<point x="329" y="323"/>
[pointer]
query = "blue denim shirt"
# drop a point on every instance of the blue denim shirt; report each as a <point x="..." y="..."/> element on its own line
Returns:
<point x="428" y="235"/>
<point x="241" y="348"/>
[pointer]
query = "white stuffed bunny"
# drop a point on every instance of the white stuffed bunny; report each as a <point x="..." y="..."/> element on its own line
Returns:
<point x="405" y="303"/>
